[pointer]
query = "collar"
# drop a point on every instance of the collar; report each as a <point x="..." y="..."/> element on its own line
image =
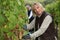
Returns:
<point x="41" y="14"/>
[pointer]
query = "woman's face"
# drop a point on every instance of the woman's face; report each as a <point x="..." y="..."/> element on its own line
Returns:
<point x="37" y="9"/>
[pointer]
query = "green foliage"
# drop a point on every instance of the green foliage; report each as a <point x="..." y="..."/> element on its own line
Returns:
<point x="54" y="9"/>
<point x="2" y="19"/>
<point x="12" y="12"/>
<point x="32" y="1"/>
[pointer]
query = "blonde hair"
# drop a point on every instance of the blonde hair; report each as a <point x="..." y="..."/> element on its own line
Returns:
<point x="37" y="3"/>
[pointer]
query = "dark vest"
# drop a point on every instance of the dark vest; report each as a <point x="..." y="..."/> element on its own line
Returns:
<point x="49" y="34"/>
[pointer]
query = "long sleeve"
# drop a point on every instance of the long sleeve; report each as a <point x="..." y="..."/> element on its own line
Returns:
<point x="31" y="25"/>
<point x="43" y="27"/>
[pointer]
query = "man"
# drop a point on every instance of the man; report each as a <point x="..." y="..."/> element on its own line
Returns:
<point x="29" y="13"/>
<point x="43" y="25"/>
